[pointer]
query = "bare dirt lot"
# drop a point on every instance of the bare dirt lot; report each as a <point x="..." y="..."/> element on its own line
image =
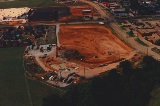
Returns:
<point x="96" y="43"/>
<point x="76" y="11"/>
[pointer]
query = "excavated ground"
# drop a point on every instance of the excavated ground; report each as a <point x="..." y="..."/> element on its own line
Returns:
<point x="93" y="41"/>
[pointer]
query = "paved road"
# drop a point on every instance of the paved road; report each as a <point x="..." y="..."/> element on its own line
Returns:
<point x="131" y="41"/>
<point x="99" y="9"/>
<point x="57" y="30"/>
<point x="122" y="34"/>
<point x="37" y="54"/>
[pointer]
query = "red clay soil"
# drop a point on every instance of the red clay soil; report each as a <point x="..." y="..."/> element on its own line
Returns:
<point x="76" y="11"/>
<point x="92" y="40"/>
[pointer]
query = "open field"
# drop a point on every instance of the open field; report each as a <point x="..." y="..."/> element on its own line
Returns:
<point x="12" y="81"/>
<point x="155" y="96"/>
<point x="28" y="3"/>
<point x="93" y="41"/>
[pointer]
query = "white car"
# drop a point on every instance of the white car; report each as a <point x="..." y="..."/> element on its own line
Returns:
<point x="101" y="23"/>
<point x="50" y="78"/>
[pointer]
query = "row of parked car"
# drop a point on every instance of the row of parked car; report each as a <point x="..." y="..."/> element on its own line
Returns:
<point x="155" y="49"/>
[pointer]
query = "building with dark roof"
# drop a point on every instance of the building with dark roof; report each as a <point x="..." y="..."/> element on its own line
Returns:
<point x="48" y="13"/>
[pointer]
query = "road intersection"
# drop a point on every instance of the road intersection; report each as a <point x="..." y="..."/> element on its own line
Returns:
<point x="123" y="35"/>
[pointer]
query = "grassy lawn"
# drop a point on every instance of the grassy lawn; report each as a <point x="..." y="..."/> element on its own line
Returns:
<point x="141" y="42"/>
<point x="155" y="97"/>
<point x="28" y="3"/>
<point x="119" y="23"/>
<point x="122" y="27"/>
<point x="130" y="34"/>
<point x="12" y="83"/>
<point x="13" y="88"/>
<point x="38" y="91"/>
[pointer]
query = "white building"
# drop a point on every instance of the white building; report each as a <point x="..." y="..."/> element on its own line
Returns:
<point x="12" y="12"/>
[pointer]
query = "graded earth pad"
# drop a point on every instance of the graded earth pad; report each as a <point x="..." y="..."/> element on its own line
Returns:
<point x="96" y="43"/>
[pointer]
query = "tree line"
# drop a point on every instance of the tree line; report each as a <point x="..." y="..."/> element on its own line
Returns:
<point x="124" y="86"/>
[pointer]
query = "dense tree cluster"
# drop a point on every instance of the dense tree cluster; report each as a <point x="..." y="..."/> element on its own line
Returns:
<point x="125" y="86"/>
<point x="48" y="13"/>
<point x="144" y="8"/>
<point x="158" y="42"/>
<point x="19" y="36"/>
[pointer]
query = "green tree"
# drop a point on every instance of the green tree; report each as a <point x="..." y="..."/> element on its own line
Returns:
<point x="126" y="67"/>
<point x="158" y="42"/>
<point x="54" y="100"/>
<point x="108" y="90"/>
<point x="80" y="95"/>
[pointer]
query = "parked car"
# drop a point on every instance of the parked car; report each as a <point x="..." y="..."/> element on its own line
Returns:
<point x="65" y="80"/>
<point x="70" y="81"/>
<point x="54" y="77"/>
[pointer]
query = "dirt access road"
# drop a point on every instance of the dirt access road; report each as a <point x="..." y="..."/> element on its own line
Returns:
<point x="93" y="40"/>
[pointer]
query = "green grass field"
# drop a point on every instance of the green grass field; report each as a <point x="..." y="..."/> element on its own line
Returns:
<point x="13" y="88"/>
<point x="141" y="42"/>
<point x="122" y="27"/>
<point x="155" y="97"/>
<point x="130" y="34"/>
<point x="28" y="3"/>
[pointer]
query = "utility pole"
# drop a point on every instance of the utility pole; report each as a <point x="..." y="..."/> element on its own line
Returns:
<point x="84" y="71"/>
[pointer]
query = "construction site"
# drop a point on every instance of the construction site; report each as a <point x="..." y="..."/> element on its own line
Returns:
<point x="14" y="16"/>
<point x="81" y="51"/>
<point x="95" y="43"/>
<point x="81" y="12"/>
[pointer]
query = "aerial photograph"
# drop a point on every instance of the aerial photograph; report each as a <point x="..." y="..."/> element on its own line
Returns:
<point x="79" y="52"/>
